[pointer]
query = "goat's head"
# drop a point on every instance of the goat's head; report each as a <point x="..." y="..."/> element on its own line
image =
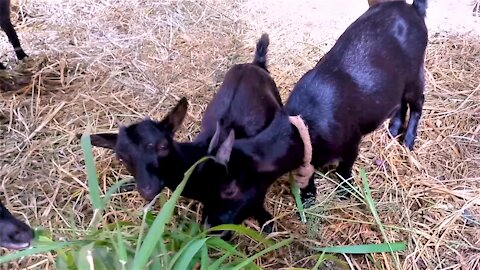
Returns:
<point x="14" y="234"/>
<point x="146" y="148"/>
<point x="238" y="184"/>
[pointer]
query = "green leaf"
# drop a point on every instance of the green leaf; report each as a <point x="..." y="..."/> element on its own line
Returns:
<point x="365" y="249"/>
<point x="296" y="195"/>
<point x="149" y="218"/>
<point x="157" y="229"/>
<point x="243" y="230"/>
<point x="263" y="252"/>
<point x="121" y="249"/>
<point x="114" y="188"/>
<point x="205" y="260"/>
<point x="61" y="263"/>
<point x="38" y="248"/>
<point x="187" y="254"/>
<point x="222" y="245"/>
<point x="216" y="264"/>
<point x="93" y="187"/>
<point x="371" y="205"/>
<point x="320" y="260"/>
<point x="85" y="257"/>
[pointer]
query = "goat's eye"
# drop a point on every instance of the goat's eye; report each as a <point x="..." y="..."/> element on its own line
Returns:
<point x="150" y="146"/>
<point x="120" y="158"/>
<point x="163" y="147"/>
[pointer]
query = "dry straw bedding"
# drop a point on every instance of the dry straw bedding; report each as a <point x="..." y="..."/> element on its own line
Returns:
<point x="102" y="64"/>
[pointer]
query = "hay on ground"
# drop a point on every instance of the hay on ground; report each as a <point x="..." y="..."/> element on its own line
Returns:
<point x="103" y="64"/>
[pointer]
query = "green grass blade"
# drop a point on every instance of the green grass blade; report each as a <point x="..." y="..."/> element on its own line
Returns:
<point x="243" y="230"/>
<point x="187" y="255"/>
<point x="93" y="187"/>
<point x="216" y="264"/>
<point x="320" y="260"/>
<point x="178" y="254"/>
<point x="296" y="195"/>
<point x="339" y="264"/>
<point x="371" y="205"/>
<point x="158" y="227"/>
<point x="157" y="264"/>
<point x="121" y="249"/>
<point x="263" y="252"/>
<point x="205" y="260"/>
<point x="365" y="249"/>
<point x="85" y="257"/>
<point x="114" y="188"/>
<point x="224" y="246"/>
<point x="40" y="248"/>
<point x="146" y="213"/>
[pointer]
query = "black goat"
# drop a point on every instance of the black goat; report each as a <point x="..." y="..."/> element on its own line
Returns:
<point x="14" y="234"/>
<point x="246" y="102"/>
<point x="7" y="27"/>
<point x="374" y="2"/>
<point x="372" y="73"/>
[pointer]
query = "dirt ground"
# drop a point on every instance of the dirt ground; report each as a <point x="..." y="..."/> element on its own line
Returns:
<point x="101" y="64"/>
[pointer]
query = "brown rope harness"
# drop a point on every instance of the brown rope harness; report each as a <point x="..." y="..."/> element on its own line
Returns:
<point x="306" y="170"/>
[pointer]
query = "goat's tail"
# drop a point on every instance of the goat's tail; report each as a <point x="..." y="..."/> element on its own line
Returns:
<point x="261" y="52"/>
<point x="420" y="6"/>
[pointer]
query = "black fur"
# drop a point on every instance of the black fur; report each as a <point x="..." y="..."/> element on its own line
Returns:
<point x="7" y="27"/>
<point x="372" y="73"/>
<point x="14" y="234"/>
<point x="246" y="102"/>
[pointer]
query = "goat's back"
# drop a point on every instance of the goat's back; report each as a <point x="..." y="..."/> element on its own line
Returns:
<point x="246" y="101"/>
<point x="361" y="80"/>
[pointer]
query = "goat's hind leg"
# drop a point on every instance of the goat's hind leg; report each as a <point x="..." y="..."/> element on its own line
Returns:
<point x="415" y="98"/>
<point x="344" y="169"/>
<point x="398" y="120"/>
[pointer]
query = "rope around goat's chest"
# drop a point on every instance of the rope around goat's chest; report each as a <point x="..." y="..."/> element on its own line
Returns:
<point x="306" y="170"/>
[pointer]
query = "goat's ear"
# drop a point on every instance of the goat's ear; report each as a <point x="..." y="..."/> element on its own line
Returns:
<point x="105" y="140"/>
<point x="176" y="116"/>
<point x="215" y="139"/>
<point x="225" y="150"/>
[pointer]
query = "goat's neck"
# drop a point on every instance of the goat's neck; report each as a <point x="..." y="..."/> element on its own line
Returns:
<point x="184" y="156"/>
<point x="279" y="144"/>
<point x="187" y="153"/>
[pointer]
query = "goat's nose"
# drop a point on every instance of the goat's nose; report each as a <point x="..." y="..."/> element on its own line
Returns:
<point x="148" y="192"/>
<point x="22" y="236"/>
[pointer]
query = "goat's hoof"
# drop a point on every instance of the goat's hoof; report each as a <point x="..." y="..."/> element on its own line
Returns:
<point x="395" y="129"/>
<point x="344" y="194"/>
<point x="268" y="228"/>
<point x="21" y="55"/>
<point x="409" y="142"/>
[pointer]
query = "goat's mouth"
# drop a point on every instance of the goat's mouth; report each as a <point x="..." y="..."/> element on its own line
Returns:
<point x="15" y="246"/>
